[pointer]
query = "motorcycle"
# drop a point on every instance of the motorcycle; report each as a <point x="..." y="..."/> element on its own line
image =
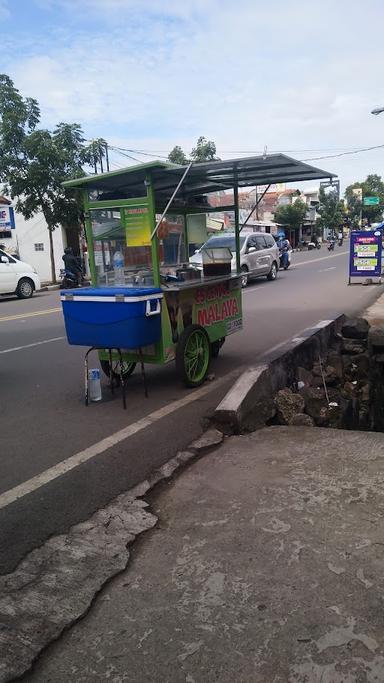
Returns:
<point x="68" y="279"/>
<point x="308" y="245"/>
<point x="284" y="258"/>
<point x="331" y="245"/>
<point x="314" y="245"/>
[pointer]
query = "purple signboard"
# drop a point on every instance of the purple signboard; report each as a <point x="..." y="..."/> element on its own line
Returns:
<point x="365" y="253"/>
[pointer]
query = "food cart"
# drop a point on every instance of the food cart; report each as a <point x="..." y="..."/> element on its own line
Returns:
<point x="147" y="303"/>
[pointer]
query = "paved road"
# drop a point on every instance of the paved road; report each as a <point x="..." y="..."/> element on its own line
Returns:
<point x="45" y="428"/>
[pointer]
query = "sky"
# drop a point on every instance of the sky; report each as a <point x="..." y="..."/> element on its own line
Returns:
<point x="294" y="76"/>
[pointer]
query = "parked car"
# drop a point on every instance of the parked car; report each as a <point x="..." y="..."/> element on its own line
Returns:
<point x="259" y="254"/>
<point x="17" y="277"/>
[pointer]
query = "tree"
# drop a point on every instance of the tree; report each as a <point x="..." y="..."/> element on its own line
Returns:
<point x="34" y="162"/>
<point x="291" y="215"/>
<point x="330" y="210"/>
<point x="372" y="186"/>
<point x="205" y="150"/>
<point x="177" y="156"/>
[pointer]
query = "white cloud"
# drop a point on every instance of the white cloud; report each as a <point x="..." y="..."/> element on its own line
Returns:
<point x="161" y="72"/>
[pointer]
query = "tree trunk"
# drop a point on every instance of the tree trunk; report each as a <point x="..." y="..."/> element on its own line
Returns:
<point x="52" y="255"/>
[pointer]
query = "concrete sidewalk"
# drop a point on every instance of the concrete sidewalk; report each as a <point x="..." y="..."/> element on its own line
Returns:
<point x="267" y="565"/>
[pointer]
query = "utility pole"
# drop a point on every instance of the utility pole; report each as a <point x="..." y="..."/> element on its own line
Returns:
<point x="257" y="204"/>
<point x="107" y="156"/>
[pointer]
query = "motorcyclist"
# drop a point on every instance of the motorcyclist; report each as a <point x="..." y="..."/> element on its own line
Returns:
<point x="71" y="263"/>
<point x="284" y="248"/>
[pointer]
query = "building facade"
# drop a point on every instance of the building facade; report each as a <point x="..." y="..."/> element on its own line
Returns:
<point x="29" y="240"/>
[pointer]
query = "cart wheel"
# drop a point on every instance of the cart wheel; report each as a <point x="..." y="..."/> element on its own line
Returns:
<point x="128" y="368"/>
<point x="193" y="354"/>
<point x="216" y="346"/>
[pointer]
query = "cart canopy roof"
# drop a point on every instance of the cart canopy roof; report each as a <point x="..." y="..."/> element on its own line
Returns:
<point x="202" y="178"/>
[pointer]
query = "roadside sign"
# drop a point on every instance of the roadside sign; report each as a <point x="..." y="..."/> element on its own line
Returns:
<point x="365" y="254"/>
<point x="7" y="217"/>
<point x="371" y="201"/>
<point x="358" y="192"/>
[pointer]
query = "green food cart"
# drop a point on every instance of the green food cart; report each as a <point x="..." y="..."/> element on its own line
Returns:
<point x="143" y="223"/>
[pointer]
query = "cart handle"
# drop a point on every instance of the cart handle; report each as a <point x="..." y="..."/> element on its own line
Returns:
<point x="149" y="312"/>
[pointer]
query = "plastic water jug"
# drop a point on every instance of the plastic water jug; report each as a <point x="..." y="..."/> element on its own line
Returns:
<point x="118" y="267"/>
<point x="94" y="384"/>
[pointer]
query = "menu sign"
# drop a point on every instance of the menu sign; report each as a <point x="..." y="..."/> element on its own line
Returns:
<point x="365" y="253"/>
<point x="137" y="226"/>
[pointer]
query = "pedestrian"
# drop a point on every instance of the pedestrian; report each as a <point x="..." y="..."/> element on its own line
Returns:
<point x="340" y="238"/>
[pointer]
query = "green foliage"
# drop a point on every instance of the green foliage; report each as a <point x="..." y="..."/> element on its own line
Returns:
<point x="177" y="156"/>
<point x="372" y="186"/>
<point x="330" y="211"/>
<point x="205" y="150"/>
<point x="291" y="215"/>
<point x="34" y="162"/>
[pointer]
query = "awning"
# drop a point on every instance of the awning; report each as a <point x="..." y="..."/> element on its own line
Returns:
<point x="202" y="178"/>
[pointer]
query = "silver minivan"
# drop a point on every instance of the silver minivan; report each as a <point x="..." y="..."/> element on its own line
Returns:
<point x="259" y="254"/>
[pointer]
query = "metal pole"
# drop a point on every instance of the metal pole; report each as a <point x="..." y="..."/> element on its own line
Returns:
<point x="257" y="204"/>
<point x="254" y="207"/>
<point x="237" y="228"/>
<point x="171" y="200"/>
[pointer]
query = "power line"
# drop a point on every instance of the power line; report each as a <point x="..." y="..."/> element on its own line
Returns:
<point x="341" y="154"/>
<point x="135" y="151"/>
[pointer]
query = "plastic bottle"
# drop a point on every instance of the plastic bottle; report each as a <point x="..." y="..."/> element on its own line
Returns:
<point x="118" y="267"/>
<point x="94" y="385"/>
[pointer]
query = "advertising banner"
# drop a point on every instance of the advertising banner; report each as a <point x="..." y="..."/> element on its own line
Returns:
<point x="215" y="307"/>
<point x="365" y="253"/>
<point x="137" y="226"/>
<point x="7" y="218"/>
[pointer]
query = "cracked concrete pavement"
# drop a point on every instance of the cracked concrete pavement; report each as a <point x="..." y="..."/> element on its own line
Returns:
<point x="266" y="565"/>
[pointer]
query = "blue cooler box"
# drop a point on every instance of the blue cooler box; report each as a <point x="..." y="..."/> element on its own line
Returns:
<point x="113" y="317"/>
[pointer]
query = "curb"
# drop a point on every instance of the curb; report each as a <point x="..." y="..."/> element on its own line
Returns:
<point x="48" y="288"/>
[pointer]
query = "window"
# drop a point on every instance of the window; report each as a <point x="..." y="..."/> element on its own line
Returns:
<point x="270" y="241"/>
<point x="260" y="242"/>
<point x="39" y="246"/>
<point x="10" y="259"/>
<point x="228" y="240"/>
<point x="252" y="243"/>
<point x="5" y="234"/>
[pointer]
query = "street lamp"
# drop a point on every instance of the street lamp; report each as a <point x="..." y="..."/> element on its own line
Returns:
<point x="377" y="110"/>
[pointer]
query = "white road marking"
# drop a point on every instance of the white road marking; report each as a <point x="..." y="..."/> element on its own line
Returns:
<point x="29" y="346"/>
<point x="12" y="495"/>
<point x="322" y="258"/>
<point x="325" y="270"/>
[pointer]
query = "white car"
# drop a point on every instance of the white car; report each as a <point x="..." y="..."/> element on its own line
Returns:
<point x="17" y="277"/>
<point x="259" y="254"/>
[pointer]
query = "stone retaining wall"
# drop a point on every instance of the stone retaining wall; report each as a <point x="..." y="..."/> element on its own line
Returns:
<point x="331" y="376"/>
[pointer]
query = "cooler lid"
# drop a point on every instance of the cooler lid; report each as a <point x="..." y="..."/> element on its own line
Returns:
<point x="109" y="292"/>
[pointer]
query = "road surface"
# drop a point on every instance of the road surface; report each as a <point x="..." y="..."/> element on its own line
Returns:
<point x="56" y="467"/>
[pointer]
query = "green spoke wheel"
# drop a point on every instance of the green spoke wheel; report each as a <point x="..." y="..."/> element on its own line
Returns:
<point x="193" y="355"/>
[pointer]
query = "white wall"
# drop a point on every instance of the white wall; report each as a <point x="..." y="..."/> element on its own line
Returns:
<point x="31" y="232"/>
